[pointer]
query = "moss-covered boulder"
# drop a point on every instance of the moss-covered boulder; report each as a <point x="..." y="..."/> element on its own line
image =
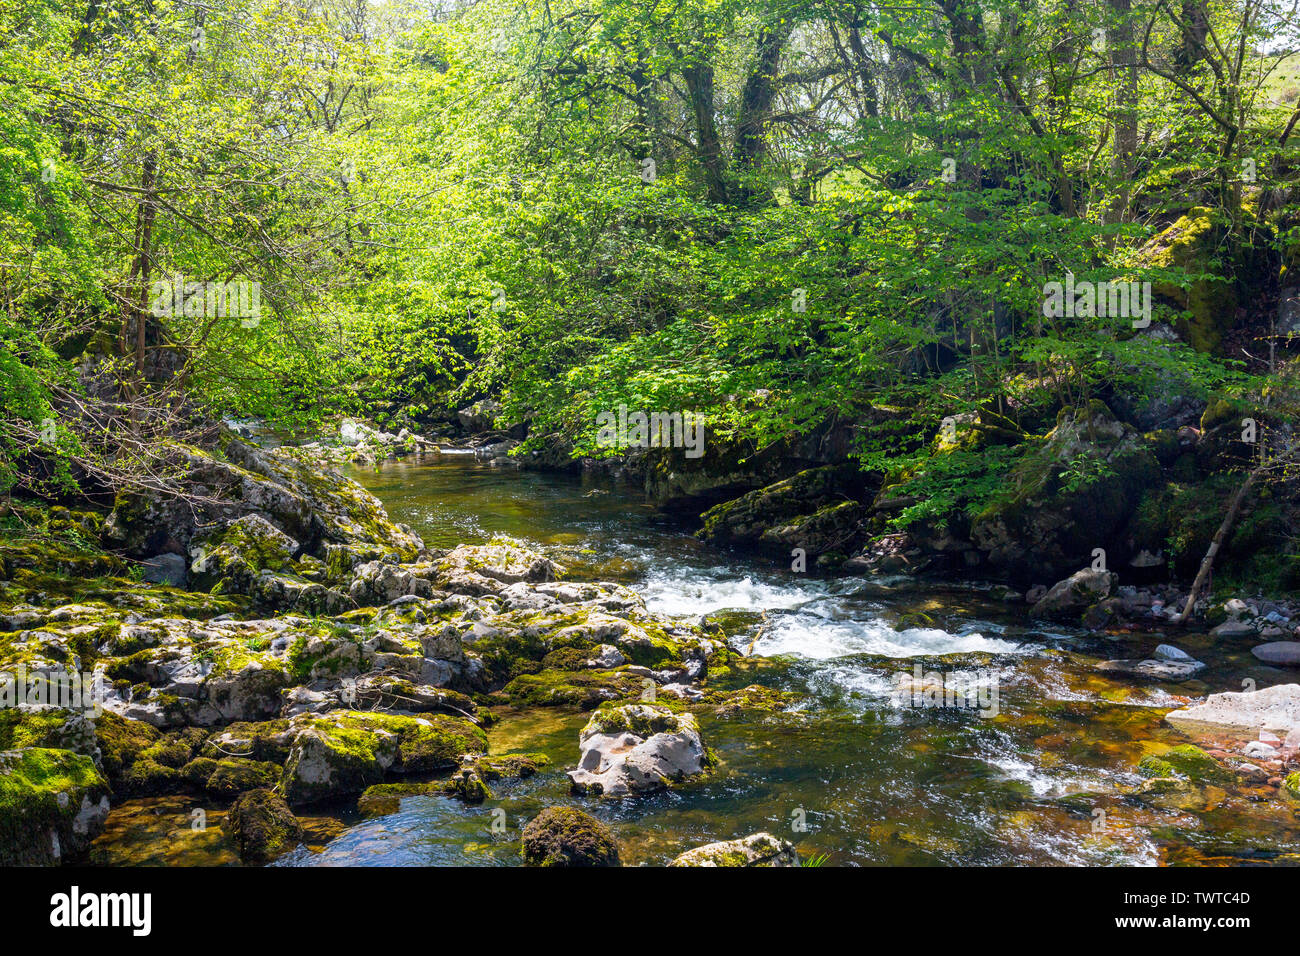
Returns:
<point x="1221" y="273"/>
<point x="232" y="558"/>
<point x="1073" y="494"/>
<point x="757" y="849"/>
<point x="228" y="778"/>
<point x="566" y="836"/>
<point x="52" y="804"/>
<point x="491" y="568"/>
<point x="312" y="504"/>
<point x="262" y="826"/>
<point x="817" y="509"/>
<point x="343" y="752"/>
<point x="1069" y="598"/>
<point x="1188" y="761"/>
<point x="584" y="690"/>
<point x="51" y="727"/>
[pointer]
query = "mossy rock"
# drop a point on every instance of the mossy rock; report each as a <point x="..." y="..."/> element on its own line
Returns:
<point x="1223" y="273"/>
<point x="819" y="503"/>
<point x="1192" y="244"/>
<point x="1291" y="787"/>
<point x="511" y="765"/>
<point x="1075" y="493"/>
<point x="343" y="752"/>
<point x="262" y="826"/>
<point x="567" y="659"/>
<point x="51" y="803"/>
<point x="268" y="740"/>
<point x="226" y="779"/>
<point x="382" y="799"/>
<point x="568" y="837"/>
<point x="1153" y="767"/>
<point x="585" y="690"/>
<point x="1195" y="764"/>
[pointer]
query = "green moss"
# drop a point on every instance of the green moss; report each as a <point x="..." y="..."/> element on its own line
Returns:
<point x="585" y="690"/>
<point x="121" y="741"/>
<point x="1153" y="766"/>
<point x="511" y="765"/>
<point x="262" y="826"/>
<point x="345" y="752"/>
<point x="40" y="795"/>
<point x="565" y="836"/>
<point x="1291" y="787"/>
<point x="236" y="775"/>
<point x="566" y="659"/>
<point x="1195" y="764"/>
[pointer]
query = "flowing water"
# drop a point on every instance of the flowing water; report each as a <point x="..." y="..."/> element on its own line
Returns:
<point x="1030" y="773"/>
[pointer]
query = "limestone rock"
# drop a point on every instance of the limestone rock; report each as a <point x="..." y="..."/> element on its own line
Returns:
<point x="758" y="849"/>
<point x="1274" y="709"/>
<point x="635" y="748"/>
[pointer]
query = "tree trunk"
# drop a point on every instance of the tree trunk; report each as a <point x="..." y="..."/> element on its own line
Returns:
<point x="1125" y="81"/>
<point x="757" y="96"/>
<point x="1207" y="563"/>
<point x="699" y="84"/>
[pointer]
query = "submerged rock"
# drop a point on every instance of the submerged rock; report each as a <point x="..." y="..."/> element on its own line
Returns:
<point x="1167" y="663"/>
<point x="757" y="849"/>
<point x="636" y="748"/>
<point x="565" y="836"/>
<point x="1187" y="761"/>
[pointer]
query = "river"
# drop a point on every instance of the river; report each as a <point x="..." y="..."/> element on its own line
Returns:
<point x="1031" y="772"/>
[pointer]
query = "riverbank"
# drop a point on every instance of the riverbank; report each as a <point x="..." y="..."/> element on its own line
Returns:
<point x="360" y="714"/>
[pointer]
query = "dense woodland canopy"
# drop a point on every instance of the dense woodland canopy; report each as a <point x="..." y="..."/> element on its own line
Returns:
<point x="771" y="212"/>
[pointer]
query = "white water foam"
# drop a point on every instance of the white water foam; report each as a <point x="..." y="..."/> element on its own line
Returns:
<point x="811" y="636"/>
<point x="681" y="595"/>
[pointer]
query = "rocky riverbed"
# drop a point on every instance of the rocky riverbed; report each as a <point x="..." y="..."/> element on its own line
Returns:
<point x="288" y="671"/>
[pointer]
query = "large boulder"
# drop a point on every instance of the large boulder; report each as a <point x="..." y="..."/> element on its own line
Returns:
<point x="479" y="417"/>
<point x="1273" y="709"/>
<point x="816" y="509"/>
<point x="379" y="582"/>
<point x="757" y="849"/>
<point x="565" y="836"/>
<point x="231" y="560"/>
<point x="311" y="504"/>
<point x="1080" y="591"/>
<point x="52" y="804"/>
<point x="491" y="568"/>
<point x="636" y="748"/>
<point x="1196" y="243"/>
<point x="342" y="753"/>
<point x="1074" y="494"/>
